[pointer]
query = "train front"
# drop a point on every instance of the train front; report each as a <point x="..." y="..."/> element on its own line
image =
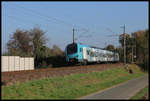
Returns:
<point x="72" y="53"/>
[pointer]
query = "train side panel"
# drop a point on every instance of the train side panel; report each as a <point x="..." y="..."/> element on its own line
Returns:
<point x="91" y="54"/>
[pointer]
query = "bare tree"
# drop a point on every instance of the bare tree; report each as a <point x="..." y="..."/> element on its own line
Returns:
<point x="19" y="44"/>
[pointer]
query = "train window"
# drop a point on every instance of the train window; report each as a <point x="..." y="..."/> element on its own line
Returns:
<point x="72" y="48"/>
<point x="87" y="52"/>
<point x="104" y="55"/>
<point x="80" y="49"/>
<point x="101" y="54"/>
<point x="109" y="55"/>
<point x="92" y="54"/>
<point x="96" y="54"/>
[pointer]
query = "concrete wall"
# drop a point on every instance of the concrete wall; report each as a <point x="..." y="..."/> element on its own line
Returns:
<point x="16" y="63"/>
<point x="22" y="67"/>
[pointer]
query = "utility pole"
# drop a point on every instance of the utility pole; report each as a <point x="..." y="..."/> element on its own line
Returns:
<point x="135" y="50"/>
<point x="132" y="54"/>
<point x="124" y="44"/>
<point x="73" y="34"/>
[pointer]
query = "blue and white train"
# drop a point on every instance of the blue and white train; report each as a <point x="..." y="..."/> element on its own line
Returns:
<point x="80" y="53"/>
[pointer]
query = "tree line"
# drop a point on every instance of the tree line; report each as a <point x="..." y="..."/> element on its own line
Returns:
<point x="137" y="48"/>
<point x="32" y="43"/>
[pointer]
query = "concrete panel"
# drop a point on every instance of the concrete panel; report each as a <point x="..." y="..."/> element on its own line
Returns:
<point x="22" y="64"/>
<point x="27" y="64"/>
<point x="31" y="63"/>
<point x="17" y="63"/>
<point x="4" y="67"/>
<point x="11" y="63"/>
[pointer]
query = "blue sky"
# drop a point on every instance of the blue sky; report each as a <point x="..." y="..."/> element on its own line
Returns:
<point x="58" y="19"/>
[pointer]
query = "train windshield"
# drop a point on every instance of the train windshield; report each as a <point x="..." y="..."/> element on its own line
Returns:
<point x="72" y="48"/>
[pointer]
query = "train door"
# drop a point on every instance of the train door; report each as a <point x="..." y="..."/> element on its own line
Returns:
<point x="100" y="56"/>
<point x="86" y="54"/>
<point x="93" y="55"/>
<point x="105" y="56"/>
<point x="96" y="55"/>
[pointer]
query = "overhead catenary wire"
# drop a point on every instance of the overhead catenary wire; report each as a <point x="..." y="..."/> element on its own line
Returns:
<point x="18" y="19"/>
<point x="43" y="18"/>
<point x="50" y="17"/>
<point x="28" y="20"/>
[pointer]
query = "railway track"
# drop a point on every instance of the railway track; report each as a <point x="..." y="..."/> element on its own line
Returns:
<point x="9" y="78"/>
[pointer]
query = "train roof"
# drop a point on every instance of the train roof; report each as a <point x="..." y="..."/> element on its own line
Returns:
<point x="98" y="48"/>
<point x="93" y="47"/>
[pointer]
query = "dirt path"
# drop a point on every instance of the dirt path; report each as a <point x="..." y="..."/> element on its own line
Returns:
<point x="121" y="91"/>
<point x="9" y="78"/>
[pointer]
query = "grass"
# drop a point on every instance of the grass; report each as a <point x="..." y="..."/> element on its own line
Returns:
<point x="140" y="94"/>
<point x="71" y="86"/>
